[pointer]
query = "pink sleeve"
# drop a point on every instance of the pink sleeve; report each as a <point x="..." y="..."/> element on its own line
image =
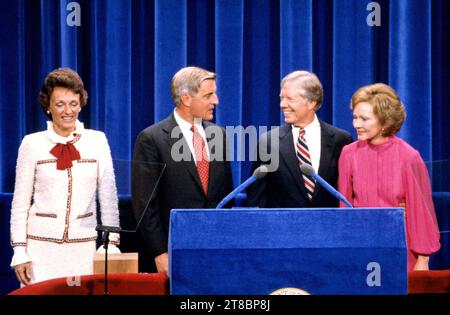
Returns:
<point x="421" y="220"/>
<point x="345" y="185"/>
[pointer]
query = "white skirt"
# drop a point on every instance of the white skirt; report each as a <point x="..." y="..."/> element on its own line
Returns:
<point x="54" y="260"/>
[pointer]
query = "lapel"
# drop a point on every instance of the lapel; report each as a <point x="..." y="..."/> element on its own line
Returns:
<point x="326" y="152"/>
<point x="168" y="125"/>
<point x="288" y="155"/>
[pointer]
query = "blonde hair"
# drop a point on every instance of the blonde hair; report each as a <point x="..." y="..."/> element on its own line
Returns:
<point x="386" y="103"/>
<point x="311" y="86"/>
<point x="188" y="80"/>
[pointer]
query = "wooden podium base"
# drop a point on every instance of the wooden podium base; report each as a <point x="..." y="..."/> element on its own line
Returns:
<point x="117" y="263"/>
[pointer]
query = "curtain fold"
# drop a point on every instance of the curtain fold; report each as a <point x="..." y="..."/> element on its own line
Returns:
<point x="322" y="55"/>
<point x="127" y="52"/>
<point x="296" y="35"/>
<point x="170" y="51"/>
<point x="353" y="55"/>
<point x="229" y="39"/>
<point x="410" y="69"/>
<point x="117" y="54"/>
<point x="440" y="79"/>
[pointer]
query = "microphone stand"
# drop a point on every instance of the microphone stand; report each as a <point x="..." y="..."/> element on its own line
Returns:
<point x="105" y="241"/>
<point x="260" y="172"/>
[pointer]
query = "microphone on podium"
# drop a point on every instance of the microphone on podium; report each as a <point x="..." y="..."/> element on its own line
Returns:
<point x="260" y="172"/>
<point x="309" y="171"/>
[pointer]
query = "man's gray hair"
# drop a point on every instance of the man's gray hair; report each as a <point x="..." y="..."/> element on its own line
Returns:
<point x="188" y="80"/>
<point x="311" y="86"/>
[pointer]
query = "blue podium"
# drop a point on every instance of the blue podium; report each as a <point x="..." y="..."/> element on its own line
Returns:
<point x="259" y="251"/>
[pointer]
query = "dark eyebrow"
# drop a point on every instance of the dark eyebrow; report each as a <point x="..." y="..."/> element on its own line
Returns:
<point x="70" y="102"/>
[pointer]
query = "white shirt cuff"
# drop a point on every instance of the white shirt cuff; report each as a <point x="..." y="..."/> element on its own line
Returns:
<point x="112" y="249"/>
<point x="20" y="256"/>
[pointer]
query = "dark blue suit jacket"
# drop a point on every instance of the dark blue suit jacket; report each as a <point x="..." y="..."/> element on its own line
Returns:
<point x="179" y="186"/>
<point x="284" y="188"/>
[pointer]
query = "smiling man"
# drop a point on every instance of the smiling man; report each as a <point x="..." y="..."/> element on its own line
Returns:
<point x="303" y="139"/>
<point x="196" y="177"/>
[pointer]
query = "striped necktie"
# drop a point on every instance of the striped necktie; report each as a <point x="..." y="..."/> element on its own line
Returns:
<point x="304" y="157"/>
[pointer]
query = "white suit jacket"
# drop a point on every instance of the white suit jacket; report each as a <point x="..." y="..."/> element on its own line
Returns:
<point x="60" y="205"/>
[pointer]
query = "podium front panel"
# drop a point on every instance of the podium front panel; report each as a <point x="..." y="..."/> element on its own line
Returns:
<point x="259" y="251"/>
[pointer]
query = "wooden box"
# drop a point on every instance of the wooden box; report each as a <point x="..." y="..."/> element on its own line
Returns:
<point x="117" y="263"/>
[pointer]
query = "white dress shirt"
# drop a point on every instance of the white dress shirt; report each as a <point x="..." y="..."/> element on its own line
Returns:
<point x="313" y="141"/>
<point x="188" y="134"/>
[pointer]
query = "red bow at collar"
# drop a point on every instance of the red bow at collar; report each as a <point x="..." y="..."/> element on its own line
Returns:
<point x="65" y="154"/>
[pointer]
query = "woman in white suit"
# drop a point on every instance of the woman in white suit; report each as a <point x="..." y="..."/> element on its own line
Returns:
<point x="58" y="174"/>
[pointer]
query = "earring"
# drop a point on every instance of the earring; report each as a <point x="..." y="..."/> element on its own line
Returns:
<point x="48" y="112"/>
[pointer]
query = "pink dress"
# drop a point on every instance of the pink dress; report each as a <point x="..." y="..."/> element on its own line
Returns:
<point x="392" y="174"/>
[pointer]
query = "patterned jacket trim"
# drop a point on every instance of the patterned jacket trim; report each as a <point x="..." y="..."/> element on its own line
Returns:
<point x="85" y="215"/>
<point x="46" y="161"/>
<point x="63" y="240"/>
<point x="87" y="161"/>
<point x="18" y="244"/>
<point x="46" y="215"/>
<point x="69" y="204"/>
<point x="54" y="161"/>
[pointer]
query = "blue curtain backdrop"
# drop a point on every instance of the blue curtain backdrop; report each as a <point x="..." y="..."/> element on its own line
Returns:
<point x="127" y="51"/>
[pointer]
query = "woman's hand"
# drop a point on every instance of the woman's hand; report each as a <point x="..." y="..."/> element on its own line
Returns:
<point x="422" y="263"/>
<point x="24" y="273"/>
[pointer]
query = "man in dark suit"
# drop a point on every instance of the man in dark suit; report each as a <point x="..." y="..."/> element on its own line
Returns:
<point x="303" y="139"/>
<point x="197" y="173"/>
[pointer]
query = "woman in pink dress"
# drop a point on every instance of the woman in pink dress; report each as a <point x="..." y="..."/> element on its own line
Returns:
<point x="381" y="170"/>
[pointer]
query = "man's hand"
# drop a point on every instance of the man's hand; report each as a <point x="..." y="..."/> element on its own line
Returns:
<point x="162" y="263"/>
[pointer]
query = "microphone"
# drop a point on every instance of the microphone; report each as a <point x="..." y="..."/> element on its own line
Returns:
<point x="259" y="173"/>
<point x="309" y="171"/>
